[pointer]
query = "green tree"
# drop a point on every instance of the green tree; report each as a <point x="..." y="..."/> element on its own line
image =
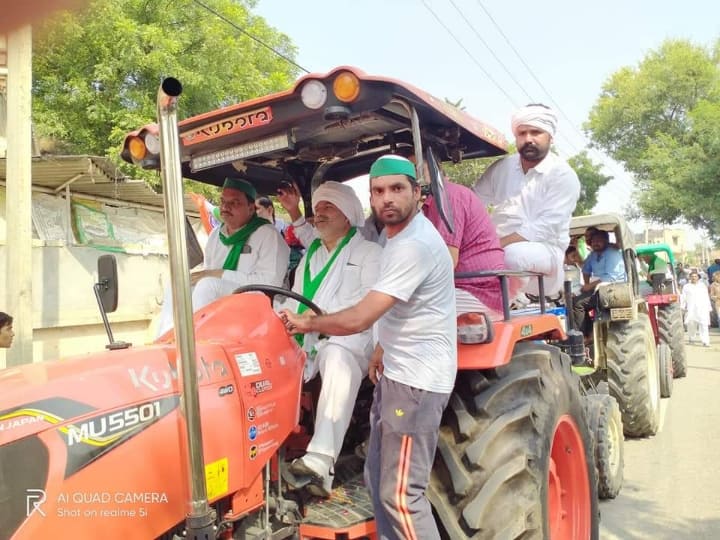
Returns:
<point x="660" y="119"/>
<point x="591" y="180"/>
<point x="96" y="73"/>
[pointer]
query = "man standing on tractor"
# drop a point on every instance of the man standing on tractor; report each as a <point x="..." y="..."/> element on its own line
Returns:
<point x="245" y="249"/>
<point x="534" y="194"/>
<point x="336" y="272"/>
<point x="415" y="362"/>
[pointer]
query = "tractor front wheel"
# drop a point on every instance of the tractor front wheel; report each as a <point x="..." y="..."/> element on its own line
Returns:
<point x="671" y="331"/>
<point x="633" y="375"/>
<point x="605" y="423"/>
<point x="514" y="454"/>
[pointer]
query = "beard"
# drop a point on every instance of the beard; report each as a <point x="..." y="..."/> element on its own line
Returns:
<point x="531" y="152"/>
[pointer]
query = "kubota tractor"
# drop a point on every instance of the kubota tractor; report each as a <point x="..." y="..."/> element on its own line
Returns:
<point x="190" y="437"/>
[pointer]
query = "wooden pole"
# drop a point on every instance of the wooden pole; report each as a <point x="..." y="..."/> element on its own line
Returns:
<point x="19" y="188"/>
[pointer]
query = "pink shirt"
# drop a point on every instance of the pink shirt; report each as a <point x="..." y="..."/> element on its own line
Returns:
<point x="476" y="240"/>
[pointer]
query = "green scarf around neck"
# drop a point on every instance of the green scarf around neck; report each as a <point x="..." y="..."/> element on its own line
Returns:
<point x="238" y="240"/>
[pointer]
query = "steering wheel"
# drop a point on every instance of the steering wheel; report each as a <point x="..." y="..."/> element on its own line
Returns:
<point x="272" y="292"/>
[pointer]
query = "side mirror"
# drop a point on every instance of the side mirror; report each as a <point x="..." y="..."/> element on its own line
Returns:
<point x="438" y="191"/>
<point x="107" y="285"/>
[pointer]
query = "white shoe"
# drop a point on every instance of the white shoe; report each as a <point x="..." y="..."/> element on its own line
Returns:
<point x="320" y="472"/>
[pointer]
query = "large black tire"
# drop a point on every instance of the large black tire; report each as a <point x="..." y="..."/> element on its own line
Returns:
<point x="507" y="441"/>
<point x="633" y="375"/>
<point x="605" y="424"/>
<point x="665" y="366"/>
<point x="672" y="332"/>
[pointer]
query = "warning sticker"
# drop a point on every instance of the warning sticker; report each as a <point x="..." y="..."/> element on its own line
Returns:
<point x="216" y="478"/>
<point x="248" y="364"/>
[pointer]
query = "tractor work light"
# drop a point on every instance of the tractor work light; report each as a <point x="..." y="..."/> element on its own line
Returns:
<point x="241" y="151"/>
<point x="346" y="87"/>
<point x="474" y="328"/>
<point x="137" y="148"/>
<point x="313" y="94"/>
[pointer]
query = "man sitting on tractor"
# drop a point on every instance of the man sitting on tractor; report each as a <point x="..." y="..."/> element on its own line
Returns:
<point x="336" y="272"/>
<point x="474" y="246"/>
<point x="604" y="265"/>
<point x="245" y="249"/>
<point x="533" y="193"/>
<point x="653" y="265"/>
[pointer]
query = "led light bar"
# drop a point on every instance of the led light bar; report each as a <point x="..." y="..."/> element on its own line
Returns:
<point x="241" y="151"/>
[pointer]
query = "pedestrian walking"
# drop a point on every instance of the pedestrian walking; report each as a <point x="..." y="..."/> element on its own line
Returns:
<point x="695" y="300"/>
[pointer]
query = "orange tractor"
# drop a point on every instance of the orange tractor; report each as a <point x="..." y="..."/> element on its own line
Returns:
<point x="190" y="437"/>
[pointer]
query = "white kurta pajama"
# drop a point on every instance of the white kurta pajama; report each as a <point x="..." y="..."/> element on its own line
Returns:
<point x="538" y="206"/>
<point x="695" y="299"/>
<point x="342" y="361"/>
<point x="263" y="261"/>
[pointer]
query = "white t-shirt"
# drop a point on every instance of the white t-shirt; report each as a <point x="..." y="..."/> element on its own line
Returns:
<point x="419" y="333"/>
<point x="264" y="259"/>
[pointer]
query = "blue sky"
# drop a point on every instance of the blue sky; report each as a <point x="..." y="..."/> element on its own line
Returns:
<point x="572" y="47"/>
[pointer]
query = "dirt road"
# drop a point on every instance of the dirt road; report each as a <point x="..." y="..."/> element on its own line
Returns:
<point x="672" y="480"/>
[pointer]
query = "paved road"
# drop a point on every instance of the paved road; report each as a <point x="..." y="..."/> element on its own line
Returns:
<point x="672" y="480"/>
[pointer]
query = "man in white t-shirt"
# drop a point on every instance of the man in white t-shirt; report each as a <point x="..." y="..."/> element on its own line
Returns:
<point x="415" y="362"/>
<point x="533" y="194"/>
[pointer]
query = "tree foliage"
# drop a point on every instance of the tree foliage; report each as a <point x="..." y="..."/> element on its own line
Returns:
<point x="96" y="73"/>
<point x="591" y="180"/>
<point x="661" y="119"/>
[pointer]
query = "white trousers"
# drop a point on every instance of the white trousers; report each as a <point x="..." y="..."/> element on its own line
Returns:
<point x="536" y="257"/>
<point x="205" y="291"/>
<point x="695" y="328"/>
<point x="467" y="303"/>
<point x="342" y="372"/>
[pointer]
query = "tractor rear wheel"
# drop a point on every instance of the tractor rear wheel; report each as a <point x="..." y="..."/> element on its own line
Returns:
<point x="514" y="457"/>
<point x="605" y="424"/>
<point x="671" y="331"/>
<point x="666" y="370"/>
<point x="633" y="375"/>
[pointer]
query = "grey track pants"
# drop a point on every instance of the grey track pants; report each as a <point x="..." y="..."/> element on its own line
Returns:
<point x="404" y="424"/>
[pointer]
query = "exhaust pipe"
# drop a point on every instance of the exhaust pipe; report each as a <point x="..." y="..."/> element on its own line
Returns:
<point x="200" y="517"/>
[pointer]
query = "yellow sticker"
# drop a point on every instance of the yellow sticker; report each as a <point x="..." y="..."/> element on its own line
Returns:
<point x="216" y="478"/>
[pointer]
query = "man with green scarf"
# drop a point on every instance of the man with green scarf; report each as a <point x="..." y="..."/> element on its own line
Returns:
<point x="337" y="271"/>
<point x="245" y="249"/>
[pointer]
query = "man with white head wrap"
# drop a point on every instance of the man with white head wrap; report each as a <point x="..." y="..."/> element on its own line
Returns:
<point x="533" y="194"/>
<point x="336" y="272"/>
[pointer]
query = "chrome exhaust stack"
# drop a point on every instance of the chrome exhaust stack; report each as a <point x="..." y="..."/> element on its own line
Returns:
<point x="200" y="517"/>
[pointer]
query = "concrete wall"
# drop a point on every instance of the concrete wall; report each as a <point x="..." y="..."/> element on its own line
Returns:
<point x="66" y="319"/>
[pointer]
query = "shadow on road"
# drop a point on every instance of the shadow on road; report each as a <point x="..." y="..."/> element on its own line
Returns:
<point x="640" y="519"/>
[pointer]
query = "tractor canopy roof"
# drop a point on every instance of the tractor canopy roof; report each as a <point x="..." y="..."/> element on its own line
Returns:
<point x="651" y="249"/>
<point x="612" y="223"/>
<point x="327" y="126"/>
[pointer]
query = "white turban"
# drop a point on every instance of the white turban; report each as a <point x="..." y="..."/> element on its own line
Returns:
<point x="342" y="196"/>
<point x="537" y="116"/>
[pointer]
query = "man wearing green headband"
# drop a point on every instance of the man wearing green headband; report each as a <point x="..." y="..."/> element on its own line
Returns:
<point x="245" y="249"/>
<point x="415" y="362"/>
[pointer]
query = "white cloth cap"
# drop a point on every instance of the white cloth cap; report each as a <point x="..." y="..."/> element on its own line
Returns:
<point x="537" y="116"/>
<point x="342" y="196"/>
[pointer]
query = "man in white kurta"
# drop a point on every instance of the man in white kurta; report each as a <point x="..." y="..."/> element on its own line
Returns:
<point x="533" y="194"/>
<point x="336" y="272"/>
<point x="245" y="249"/>
<point x="695" y="300"/>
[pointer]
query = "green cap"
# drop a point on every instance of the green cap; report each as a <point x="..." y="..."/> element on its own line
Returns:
<point x="392" y="164"/>
<point x="241" y="185"/>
